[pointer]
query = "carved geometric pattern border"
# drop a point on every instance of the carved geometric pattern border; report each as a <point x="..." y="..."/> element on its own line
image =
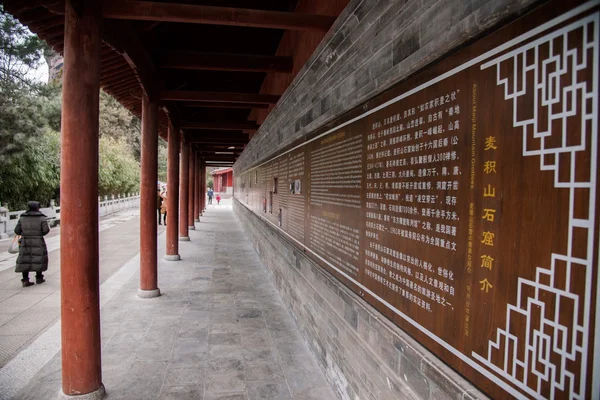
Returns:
<point x="552" y="62"/>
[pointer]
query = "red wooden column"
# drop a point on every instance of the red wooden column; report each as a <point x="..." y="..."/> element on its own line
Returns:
<point x="148" y="228"/>
<point x="192" y="166"/>
<point x="79" y="261"/>
<point x="203" y="187"/>
<point x="197" y="189"/>
<point x="172" y="195"/>
<point x="184" y="235"/>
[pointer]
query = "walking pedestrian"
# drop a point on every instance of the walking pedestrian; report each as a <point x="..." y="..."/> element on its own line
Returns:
<point x="163" y="207"/>
<point x="210" y="194"/>
<point x="159" y="202"/>
<point x="33" y="253"/>
<point x="218" y="199"/>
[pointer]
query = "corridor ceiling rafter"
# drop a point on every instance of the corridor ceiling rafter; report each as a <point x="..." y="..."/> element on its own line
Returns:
<point x="206" y="61"/>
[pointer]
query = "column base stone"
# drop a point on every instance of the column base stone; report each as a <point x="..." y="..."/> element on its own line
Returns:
<point x="192" y="227"/>
<point x="172" y="257"/>
<point x="97" y="394"/>
<point x="197" y="220"/>
<point x="184" y="238"/>
<point x="148" y="294"/>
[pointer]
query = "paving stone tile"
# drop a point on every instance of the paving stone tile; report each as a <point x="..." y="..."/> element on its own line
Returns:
<point x="252" y="325"/>
<point x="226" y="396"/>
<point x="226" y="327"/>
<point x="273" y="390"/>
<point x="196" y="315"/>
<point x="6" y="316"/>
<point x="294" y="348"/>
<point x="198" y="332"/>
<point x="317" y="393"/>
<point x="39" y="390"/>
<point x="182" y="392"/>
<point x="154" y="353"/>
<point x="270" y="371"/>
<point x="191" y="345"/>
<point x="128" y="336"/>
<point x="188" y="359"/>
<point x="113" y="374"/>
<point x="248" y="313"/>
<point x="259" y="355"/>
<point x="29" y="322"/>
<point x="224" y="338"/>
<point x="224" y="383"/>
<point x="224" y="351"/>
<point x="164" y="336"/>
<point x="177" y="376"/>
<point x="10" y="345"/>
<point x="225" y="365"/>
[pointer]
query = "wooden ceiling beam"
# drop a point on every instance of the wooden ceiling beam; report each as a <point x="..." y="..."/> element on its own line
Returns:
<point x="224" y="62"/>
<point x="223" y="97"/>
<point x="210" y="149"/>
<point x="128" y="90"/>
<point x="201" y="104"/>
<point x="123" y="38"/>
<point x="227" y="126"/>
<point x="229" y="142"/>
<point x="18" y="6"/>
<point x="116" y="73"/>
<point x="219" y="157"/>
<point x="198" y="14"/>
<point x="121" y="81"/>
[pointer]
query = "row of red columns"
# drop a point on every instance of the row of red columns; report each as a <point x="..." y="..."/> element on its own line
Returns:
<point x="80" y="288"/>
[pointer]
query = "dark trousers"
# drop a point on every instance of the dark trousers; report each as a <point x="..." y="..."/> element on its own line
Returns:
<point x="26" y="275"/>
<point x="164" y="218"/>
<point x="209" y="200"/>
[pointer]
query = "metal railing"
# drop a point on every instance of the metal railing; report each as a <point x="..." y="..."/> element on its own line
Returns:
<point x="106" y="206"/>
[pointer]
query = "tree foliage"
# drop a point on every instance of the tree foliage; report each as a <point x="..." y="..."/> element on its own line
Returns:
<point x="30" y="124"/>
<point x="29" y="117"/>
<point x="119" y="172"/>
<point x="117" y="122"/>
<point x="20" y="53"/>
<point x="33" y="174"/>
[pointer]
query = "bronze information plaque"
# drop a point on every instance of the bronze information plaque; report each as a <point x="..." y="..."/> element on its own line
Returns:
<point x="463" y="203"/>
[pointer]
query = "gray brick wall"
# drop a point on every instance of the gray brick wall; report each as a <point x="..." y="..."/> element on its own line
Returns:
<point x="362" y="354"/>
<point x="372" y="46"/>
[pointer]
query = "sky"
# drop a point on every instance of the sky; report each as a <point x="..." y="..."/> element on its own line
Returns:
<point x="41" y="73"/>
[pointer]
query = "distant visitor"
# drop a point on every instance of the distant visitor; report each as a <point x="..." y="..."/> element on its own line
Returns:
<point x="161" y="204"/>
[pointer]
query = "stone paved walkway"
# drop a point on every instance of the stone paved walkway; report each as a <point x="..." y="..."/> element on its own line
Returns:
<point x="25" y="313"/>
<point x="219" y="331"/>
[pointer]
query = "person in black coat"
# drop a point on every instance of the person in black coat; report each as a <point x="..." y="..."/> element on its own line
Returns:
<point x="33" y="254"/>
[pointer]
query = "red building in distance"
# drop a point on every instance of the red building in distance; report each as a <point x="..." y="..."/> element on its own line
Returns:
<point x="223" y="180"/>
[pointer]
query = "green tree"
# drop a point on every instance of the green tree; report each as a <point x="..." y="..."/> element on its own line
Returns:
<point x="29" y="118"/>
<point x="209" y="179"/>
<point x="20" y="52"/>
<point x="162" y="160"/>
<point x="21" y="111"/>
<point x="117" y="122"/>
<point x="30" y="121"/>
<point x="119" y="172"/>
<point x="33" y="174"/>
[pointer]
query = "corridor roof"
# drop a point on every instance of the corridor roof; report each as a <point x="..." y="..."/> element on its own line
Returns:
<point x="206" y="61"/>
